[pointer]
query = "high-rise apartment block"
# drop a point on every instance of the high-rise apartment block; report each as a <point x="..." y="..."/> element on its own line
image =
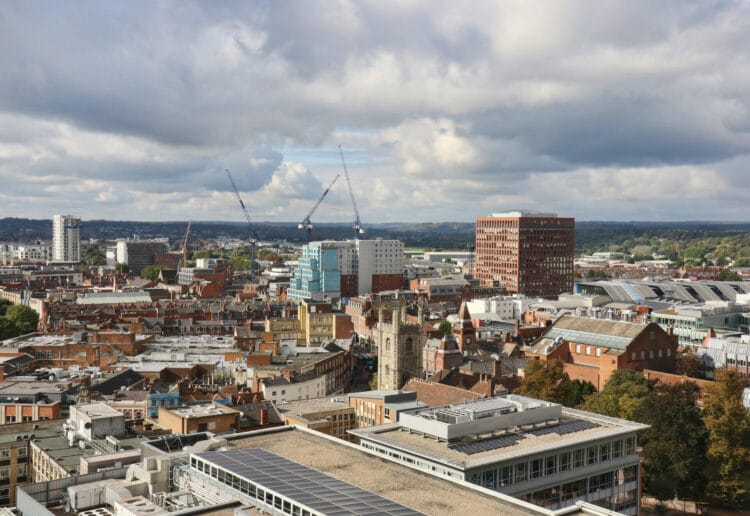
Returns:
<point x="66" y="238"/>
<point x="530" y="253"/>
<point x="334" y="269"/>
<point x="140" y="253"/>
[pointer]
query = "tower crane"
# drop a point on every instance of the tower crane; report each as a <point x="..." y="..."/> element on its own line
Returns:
<point x="251" y="237"/>
<point x="306" y="223"/>
<point x="184" y="244"/>
<point x="357" y="227"/>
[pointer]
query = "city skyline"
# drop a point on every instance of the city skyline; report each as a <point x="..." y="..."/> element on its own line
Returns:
<point x="598" y="111"/>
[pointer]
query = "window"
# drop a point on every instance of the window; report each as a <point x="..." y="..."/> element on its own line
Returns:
<point x="651" y="354"/>
<point x="643" y="355"/>
<point x="21" y="470"/>
<point x="588" y="350"/>
<point x="520" y="472"/>
<point x="388" y="344"/>
<point x="629" y="446"/>
<point x="536" y="468"/>
<point x="4" y="454"/>
<point x="578" y="348"/>
<point x="660" y="352"/>
<point x="506" y="475"/>
<point x="616" y="449"/>
<point x="604" y="452"/>
<point x="564" y="461"/>
<point x="669" y="352"/>
<point x="549" y="465"/>
<point x="632" y="355"/>
<point x="578" y="458"/>
<point x="598" y="352"/>
<point x="4" y="473"/>
<point x="591" y="455"/>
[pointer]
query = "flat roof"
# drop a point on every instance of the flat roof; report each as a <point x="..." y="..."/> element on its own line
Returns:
<point x="194" y="411"/>
<point x="307" y="486"/>
<point x="420" y="491"/>
<point x="575" y="428"/>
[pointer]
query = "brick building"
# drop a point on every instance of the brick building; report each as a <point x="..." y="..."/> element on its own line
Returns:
<point x="526" y="252"/>
<point x="592" y="349"/>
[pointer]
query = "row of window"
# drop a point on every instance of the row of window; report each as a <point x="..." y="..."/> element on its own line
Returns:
<point x="651" y="354"/>
<point x="606" y="490"/>
<point x="552" y="464"/>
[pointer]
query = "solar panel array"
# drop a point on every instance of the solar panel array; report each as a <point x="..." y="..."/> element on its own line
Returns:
<point x="577" y="425"/>
<point x="495" y="443"/>
<point x="306" y="486"/>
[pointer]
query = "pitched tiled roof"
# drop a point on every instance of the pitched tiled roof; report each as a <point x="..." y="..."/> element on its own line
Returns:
<point x="437" y="394"/>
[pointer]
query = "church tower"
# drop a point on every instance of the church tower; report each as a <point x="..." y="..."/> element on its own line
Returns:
<point x="400" y="345"/>
<point x="463" y="329"/>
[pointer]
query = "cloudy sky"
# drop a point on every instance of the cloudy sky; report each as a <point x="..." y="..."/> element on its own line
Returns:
<point x="600" y="110"/>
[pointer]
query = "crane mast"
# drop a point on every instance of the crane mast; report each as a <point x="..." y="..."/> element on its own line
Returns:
<point x="184" y="244"/>
<point x="306" y="222"/>
<point x="357" y="226"/>
<point x="251" y="238"/>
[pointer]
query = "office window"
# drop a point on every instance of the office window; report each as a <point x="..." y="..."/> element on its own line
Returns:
<point x="520" y="472"/>
<point x="591" y="455"/>
<point x="564" y="461"/>
<point x="616" y="449"/>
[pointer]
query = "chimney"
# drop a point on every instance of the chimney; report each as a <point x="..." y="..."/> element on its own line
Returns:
<point x="497" y="369"/>
<point x="288" y="374"/>
<point x="263" y="417"/>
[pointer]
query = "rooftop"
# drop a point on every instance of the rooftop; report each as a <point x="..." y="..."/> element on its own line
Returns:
<point x="573" y="428"/>
<point x="322" y="493"/>
<point x="196" y="411"/>
<point x="405" y="486"/>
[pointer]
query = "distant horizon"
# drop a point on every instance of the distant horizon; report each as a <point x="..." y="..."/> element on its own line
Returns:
<point x="366" y="224"/>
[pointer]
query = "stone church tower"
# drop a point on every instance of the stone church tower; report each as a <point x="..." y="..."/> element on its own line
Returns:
<point x="400" y="345"/>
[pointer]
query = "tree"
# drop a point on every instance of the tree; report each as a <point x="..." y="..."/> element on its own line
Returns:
<point x="4" y="304"/>
<point x="94" y="256"/>
<point x="25" y="318"/>
<point x="445" y="328"/>
<point x="122" y="268"/>
<point x="728" y="425"/>
<point x="576" y="391"/>
<point x="674" y="447"/>
<point x="621" y="397"/>
<point x="728" y="275"/>
<point x="545" y="381"/>
<point x="8" y="329"/>
<point x="690" y="365"/>
<point x="151" y="272"/>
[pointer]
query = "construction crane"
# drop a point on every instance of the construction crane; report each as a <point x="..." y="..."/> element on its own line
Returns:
<point x="306" y="223"/>
<point x="184" y="244"/>
<point x="357" y="227"/>
<point x="251" y="238"/>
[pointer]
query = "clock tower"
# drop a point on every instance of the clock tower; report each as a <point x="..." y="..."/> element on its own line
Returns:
<point x="463" y="329"/>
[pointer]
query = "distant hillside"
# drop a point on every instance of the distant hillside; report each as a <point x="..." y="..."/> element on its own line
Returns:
<point x="440" y="235"/>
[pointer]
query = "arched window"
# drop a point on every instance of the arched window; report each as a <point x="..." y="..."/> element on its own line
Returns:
<point x="388" y="344"/>
<point x="387" y="370"/>
<point x="410" y="345"/>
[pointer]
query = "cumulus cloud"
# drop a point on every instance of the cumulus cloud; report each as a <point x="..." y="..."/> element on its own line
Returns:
<point x="598" y="110"/>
